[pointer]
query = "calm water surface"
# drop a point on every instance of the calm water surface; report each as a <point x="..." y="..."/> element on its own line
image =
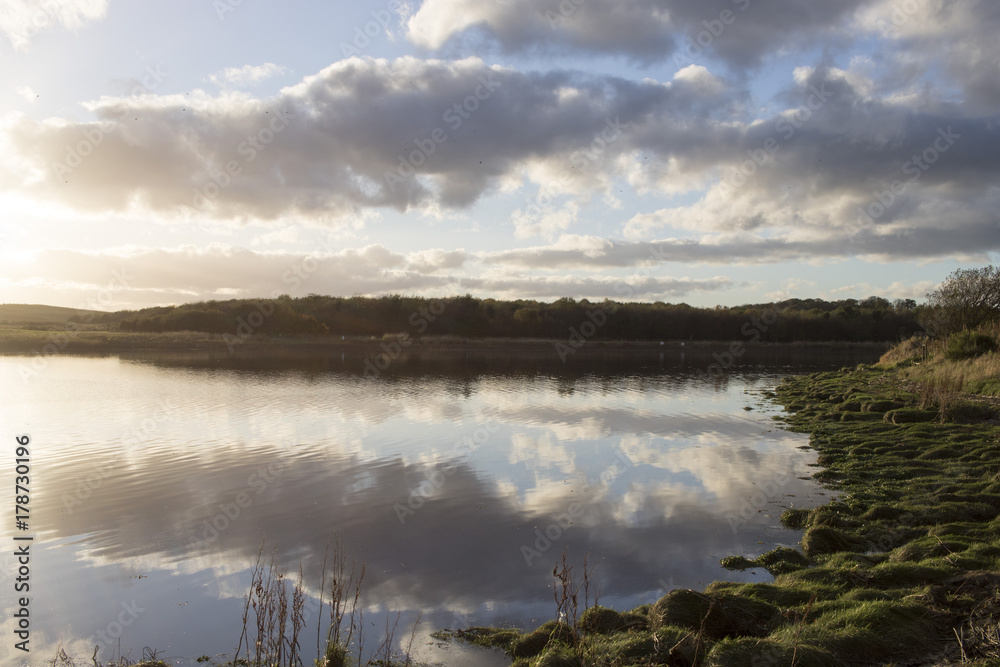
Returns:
<point x="458" y="479"/>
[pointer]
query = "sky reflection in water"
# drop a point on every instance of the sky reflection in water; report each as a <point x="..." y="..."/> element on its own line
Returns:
<point x="140" y="465"/>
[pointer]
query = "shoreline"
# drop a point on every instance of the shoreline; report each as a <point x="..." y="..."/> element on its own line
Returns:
<point x="31" y="342"/>
<point x="902" y="567"/>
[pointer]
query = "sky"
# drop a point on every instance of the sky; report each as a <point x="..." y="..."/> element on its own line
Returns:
<point x="713" y="152"/>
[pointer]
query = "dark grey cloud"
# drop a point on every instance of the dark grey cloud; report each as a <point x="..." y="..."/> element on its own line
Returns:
<point x="739" y="32"/>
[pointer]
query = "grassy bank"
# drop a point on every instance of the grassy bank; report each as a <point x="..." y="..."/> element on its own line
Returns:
<point x="950" y="365"/>
<point x="903" y="568"/>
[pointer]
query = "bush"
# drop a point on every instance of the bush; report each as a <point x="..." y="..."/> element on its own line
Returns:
<point x="968" y="344"/>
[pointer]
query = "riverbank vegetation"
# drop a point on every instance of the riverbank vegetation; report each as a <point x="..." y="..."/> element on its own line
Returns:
<point x="903" y="567"/>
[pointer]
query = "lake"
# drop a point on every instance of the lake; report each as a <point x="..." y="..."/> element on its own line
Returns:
<point x="459" y="479"/>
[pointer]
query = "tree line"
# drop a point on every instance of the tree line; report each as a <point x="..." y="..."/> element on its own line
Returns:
<point x="872" y="319"/>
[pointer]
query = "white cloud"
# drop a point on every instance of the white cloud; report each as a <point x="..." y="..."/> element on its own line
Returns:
<point x="142" y="276"/>
<point x="248" y="75"/>
<point x="896" y="290"/>
<point x="27" y="93"/>
<point x="21" y="20"/>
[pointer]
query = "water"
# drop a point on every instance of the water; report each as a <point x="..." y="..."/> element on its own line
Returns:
<point x="459" y="479"/>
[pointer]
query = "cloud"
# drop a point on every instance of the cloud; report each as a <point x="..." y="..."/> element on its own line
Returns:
<point x="958" y="37"/>
<point x="248" y="75"/>
<point x="632" y="287"/>
<point x="896" y="290"/>
<point x="740" y="32"/>
<point x="139" y="276"/>
<point x="27" y="93"/>
<point x="142" y="276"/>
<point x="842" y="167"/>
<point x="362" y="133"/>
<point x="21" y="20"/>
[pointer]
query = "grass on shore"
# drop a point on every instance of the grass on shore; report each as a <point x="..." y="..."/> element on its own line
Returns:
<point x="979" y="374"/>
<point x="902" y="568"/>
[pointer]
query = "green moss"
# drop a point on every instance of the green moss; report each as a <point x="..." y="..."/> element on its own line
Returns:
<point x="907" y="575"/>
<point x="502" y="638"/>
<point x="875" y="630"/>
<point x="716" y="616"/>
<point x="825" y="540"/>
<point x="755" y="653"/>
<point x="795" y="518"/>
<point x="738" y="563"/>
<point x="879" y="406"/>
<point x="884" y="512"/>
<point x="602" y="621"/>
<point x="780" y="596"/>
<point x="533" y="643"/>
<point x="910" y="416"/>
<point x="558" y="656"/>
<point x="928" y="547"/>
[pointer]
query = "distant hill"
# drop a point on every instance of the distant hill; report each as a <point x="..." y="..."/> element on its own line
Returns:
<point x="22" y="312"/>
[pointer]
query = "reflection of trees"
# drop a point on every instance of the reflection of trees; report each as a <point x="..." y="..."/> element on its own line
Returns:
<point x="462" y="373"/>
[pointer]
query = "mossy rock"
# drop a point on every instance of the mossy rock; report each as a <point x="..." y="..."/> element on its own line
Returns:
<point x="745" y="652"/>
<point x="782" y="559"/>
<point x="974" y="530"/>
<point x="827" y="581"/>
<point x="850" y="406"/>
<point x="826" y="516"/>
<point x="952" y="512"/>
<point x="910" y="416"/>
<point x="680" y="645"/>
<point x="502" y="638"/>
<point x="533" y="643"/>
<point x="602" y="621"/>
<point x="927" y="547"/>
<point x="795" y="518"/>
<point x="629" y="646"/>
<point x="883" y="513"/>
<point x="558" y="656"/>
<point x="827" y="540"/>
<point x="968" y="412"/>
<point x="880" y="406"/>
<point x="738" y="563"/>
<point x="777" y="561"/>
<point x="719" y="615"/>
<point x="906" y="575"/>
<point x="780" y="596"/>
<point x="873" y="632"/>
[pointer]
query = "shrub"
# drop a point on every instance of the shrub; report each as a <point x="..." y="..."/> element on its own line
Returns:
<point x="968" y="344"/>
